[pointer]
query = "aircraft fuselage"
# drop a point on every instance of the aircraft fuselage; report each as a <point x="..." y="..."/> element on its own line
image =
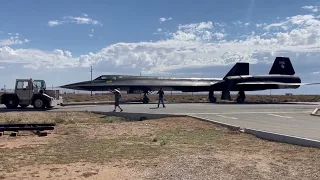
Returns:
<point x="153" y="83"/>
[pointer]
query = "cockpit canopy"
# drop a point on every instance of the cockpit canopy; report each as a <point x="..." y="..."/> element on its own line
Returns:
<point x="110" y="77"/>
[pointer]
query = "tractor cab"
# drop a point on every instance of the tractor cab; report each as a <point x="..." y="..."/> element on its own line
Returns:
<point x="39" y="85"/>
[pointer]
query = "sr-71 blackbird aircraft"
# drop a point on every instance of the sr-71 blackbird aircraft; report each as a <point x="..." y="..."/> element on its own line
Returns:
<point x="281" y="76"/>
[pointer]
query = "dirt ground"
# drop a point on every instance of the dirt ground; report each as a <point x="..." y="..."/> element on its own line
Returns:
<point x="90" y="146"/>
<point x="191" y="98"/>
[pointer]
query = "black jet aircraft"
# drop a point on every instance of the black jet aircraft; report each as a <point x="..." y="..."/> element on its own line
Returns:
<point x="281" y="76"/>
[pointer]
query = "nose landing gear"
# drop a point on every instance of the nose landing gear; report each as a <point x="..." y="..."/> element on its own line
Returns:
<point x="241" y="97"/>
<point x="145" y="99"/>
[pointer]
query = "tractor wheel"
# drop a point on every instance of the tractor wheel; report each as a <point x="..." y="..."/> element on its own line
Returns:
<point x="12" y="103"/>
<point x="24" y="106"/>
<point x="39" y="104"/>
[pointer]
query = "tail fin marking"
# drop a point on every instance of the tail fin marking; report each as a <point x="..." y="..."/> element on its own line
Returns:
<point x="283" y="66"/>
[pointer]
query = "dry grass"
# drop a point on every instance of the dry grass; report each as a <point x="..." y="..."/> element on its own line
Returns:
<point x="86" y="145"/>
<point x="191" y="98"/>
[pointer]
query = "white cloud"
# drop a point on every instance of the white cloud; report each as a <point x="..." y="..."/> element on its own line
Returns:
<point x="165" y="19"/>
<point x="77" y="20"/>
<point x="54" y="23"/>
<point x="191" y="45"/>
<point x="194" y="32"/>
<point x="312" y="8"/>
<point x="261" y="24"/>
<point x="32" y="58"/>
<point x="91" y="35"/>
<point x="1" y="67"/>
<point x="13" y="40"/>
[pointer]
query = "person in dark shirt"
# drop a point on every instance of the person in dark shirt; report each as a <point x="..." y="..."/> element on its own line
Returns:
<point x="117" y="97"/>
<point x="161" y="93"/>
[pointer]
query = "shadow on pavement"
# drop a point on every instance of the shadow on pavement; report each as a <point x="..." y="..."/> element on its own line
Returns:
<point x="137" y="116"/>
<point x="127" y="115"/>
<point x="3" y="110"/>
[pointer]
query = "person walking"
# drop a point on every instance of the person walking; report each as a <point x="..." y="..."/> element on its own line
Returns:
<point x="117" y="96"/>
<point x="161" y="93"/>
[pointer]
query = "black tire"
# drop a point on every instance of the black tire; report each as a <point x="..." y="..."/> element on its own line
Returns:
<point x="24" y="106"/>
<point x="12" y="103"/>
<point x="213" y="100"/>
<point x="39" y="103"/>
<point x="145" y="100"/>
<point x="49" y="107"/>
<point x="240" y="100"/>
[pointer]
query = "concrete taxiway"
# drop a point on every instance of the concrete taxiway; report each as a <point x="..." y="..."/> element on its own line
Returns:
<point x="287" y="119"/>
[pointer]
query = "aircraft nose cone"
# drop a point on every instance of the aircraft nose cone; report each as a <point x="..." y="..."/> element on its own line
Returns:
<point x="75" y="86"/>
<point x="68" y="86"/>
<point x="64" y="86"/>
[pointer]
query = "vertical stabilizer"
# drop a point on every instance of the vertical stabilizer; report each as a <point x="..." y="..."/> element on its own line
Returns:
<point x="282" y="65"/>
<point x="240" y="68"/>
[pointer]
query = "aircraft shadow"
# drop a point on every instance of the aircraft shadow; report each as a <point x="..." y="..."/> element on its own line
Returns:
<point x="136" y="116"/>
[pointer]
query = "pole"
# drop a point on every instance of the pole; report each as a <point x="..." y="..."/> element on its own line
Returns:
<point x="91" y="79"/>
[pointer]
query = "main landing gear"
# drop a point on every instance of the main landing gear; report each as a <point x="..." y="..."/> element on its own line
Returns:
<point x="226" y="96"/>
<point x="241" y="97"/>
<point x="212" y="99"/>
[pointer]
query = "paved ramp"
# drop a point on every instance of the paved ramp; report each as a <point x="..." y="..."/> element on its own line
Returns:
<point x="289" y="119"/>
<point x="299" y="124"/>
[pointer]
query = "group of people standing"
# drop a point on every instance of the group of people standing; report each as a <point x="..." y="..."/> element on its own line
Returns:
<point x="117" y="96"/>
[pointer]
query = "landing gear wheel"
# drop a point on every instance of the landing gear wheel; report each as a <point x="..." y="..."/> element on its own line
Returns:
<point x="145" y="100"/>
<point x="12" y="103"/>
<point x="225" y="95"/>
<point x="39" y="104"/>
<point x="212" y="99"/>
<point x="240" y="100"/>
<point x="241" y="97"/>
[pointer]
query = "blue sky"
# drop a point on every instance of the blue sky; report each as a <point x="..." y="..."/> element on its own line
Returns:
<point x="59" y="40"/>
